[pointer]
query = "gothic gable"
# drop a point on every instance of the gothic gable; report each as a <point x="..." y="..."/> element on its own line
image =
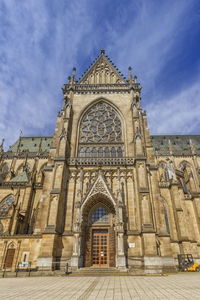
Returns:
<point x="99" y="187"/>
<point x="102" y="72"/>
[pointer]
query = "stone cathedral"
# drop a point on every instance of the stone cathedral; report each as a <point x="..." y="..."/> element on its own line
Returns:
<point x="102" y="191"/>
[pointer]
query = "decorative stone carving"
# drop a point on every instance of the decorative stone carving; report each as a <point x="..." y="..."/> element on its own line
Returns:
<point x="129" y="161"/>
<point x="100" y="187"/>
<point x="100" y="132"/>
<point x="102" y="72"/>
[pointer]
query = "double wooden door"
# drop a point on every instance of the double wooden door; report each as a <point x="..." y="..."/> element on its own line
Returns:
<point x="100" y="246"/>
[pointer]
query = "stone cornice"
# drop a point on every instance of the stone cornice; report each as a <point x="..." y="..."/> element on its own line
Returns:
<point x="21" y="236"/>
<point x="101" y="88"/>
<point x="23" y="155"/>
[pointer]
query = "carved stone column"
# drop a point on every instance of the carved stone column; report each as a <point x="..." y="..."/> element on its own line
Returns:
<point x="121" y="260"/>
<point x="76" y="260"/>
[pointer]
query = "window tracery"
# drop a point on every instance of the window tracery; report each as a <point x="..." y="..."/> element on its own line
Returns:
<point x="5" y="205"/>
<point x="101" y="132"/>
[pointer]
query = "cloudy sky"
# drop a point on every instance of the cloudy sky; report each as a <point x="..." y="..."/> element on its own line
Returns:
<point x="41" y="40"/>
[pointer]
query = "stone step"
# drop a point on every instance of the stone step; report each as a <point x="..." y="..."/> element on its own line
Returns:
<point x="95" y="271"/>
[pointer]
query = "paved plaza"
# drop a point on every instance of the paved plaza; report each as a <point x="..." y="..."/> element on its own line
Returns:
<point x="179" y="286"/>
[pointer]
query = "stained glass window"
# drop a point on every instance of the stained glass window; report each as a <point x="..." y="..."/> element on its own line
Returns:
<point x="100" y="215"/>
<point x="101" y="132"/>
<point x="5" y="205"/>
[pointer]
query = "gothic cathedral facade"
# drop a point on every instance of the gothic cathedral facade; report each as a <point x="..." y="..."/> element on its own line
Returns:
<point x="101" y="192"/>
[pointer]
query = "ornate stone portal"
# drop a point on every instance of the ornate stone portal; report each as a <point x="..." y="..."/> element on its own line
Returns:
<point x="101" y="192"/>
<point x="98" y="196"/>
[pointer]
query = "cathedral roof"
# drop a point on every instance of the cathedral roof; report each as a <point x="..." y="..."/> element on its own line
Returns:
<point x="162" y="144"/>
<point x="176" y="144"/>
<point x="31" y="144"/>
<point x="102" y="71"/>
<point x="23" y="177"/>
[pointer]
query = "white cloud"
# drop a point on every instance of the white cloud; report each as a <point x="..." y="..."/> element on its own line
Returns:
<point x="178" y="114"/>
<point x="38" y="49"/>
<point x="40" y="44"/>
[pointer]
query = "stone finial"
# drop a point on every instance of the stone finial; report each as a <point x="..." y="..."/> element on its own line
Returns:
<point x="73" y="74"/>
<point x="102" y="51"/>
<point x="130" y="73"/>
<point x="135" y="79"/>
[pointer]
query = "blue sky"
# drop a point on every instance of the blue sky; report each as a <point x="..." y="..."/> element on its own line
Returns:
<point x="41" y="40"/>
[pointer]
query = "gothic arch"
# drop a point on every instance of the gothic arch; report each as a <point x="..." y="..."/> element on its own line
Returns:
<point x="185" y="163"/>
<point x="6" y="204"/>
<point x="96" y="148"/>
<point x="100" y="226"/>
<point x="40" y="175"/>
<point x="12" y="245"/>
<point x="98" y="191"/>
<point x="98" y="199"/>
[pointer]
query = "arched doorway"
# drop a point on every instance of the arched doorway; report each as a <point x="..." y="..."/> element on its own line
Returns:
<point x="99" y="234"/>
<point x="9" y="258"/>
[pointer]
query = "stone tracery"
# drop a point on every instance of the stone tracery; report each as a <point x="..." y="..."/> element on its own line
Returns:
<point x="5" y="205"/>
<point x="100" y="132"/>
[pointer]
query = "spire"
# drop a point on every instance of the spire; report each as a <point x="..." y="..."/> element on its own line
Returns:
<point x="130" y="77"/>
<point x="73" y="74"/>
<point x="20" y="137"/>
<point x="102" y="52"/>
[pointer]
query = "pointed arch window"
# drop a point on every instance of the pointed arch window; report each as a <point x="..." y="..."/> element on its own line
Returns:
<point x="5" y="205"/>
<point x="101" y="129"/>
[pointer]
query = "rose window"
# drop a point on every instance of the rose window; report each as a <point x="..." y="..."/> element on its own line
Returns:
<point x="100" y="132"/>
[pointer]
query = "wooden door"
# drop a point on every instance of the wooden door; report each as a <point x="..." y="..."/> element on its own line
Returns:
<point x="100" y="255"/>
<point x="9" y="258"/>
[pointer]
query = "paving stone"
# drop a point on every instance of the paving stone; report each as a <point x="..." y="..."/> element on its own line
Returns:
<point x="178" y="286"/>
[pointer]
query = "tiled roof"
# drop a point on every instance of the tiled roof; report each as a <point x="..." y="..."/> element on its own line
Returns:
<point x="31" y="144"/>
<point x="162" y="144"/>
<point x="178" y="144"/>
<point x="23" y="177"/>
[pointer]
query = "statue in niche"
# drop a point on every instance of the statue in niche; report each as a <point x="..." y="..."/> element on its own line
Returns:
<point x="186" y="180"/>
<point x="167" y="171"/>
<point x="170" y="170"/>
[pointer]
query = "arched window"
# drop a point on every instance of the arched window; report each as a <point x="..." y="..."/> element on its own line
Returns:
<point x="101" y="127"/>
<point x="5" y="205"/>
<point x="100" y="214"/>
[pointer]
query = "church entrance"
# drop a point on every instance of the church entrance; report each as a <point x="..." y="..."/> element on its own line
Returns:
<point x="100" y="247"/>
<point x="99" y="237"/>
